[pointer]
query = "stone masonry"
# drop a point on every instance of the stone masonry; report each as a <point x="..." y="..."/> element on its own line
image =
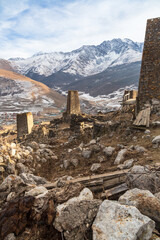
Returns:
<point x="149" y="83"/>
<point x="24" y="124"/>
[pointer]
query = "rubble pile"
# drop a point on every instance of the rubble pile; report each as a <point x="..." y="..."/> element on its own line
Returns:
<point x="31" y="206"/>
<point x="16" y="158"/>
<point x="77" y="180"/>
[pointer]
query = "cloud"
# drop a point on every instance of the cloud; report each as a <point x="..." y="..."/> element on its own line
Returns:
<point x="29" y="26"/>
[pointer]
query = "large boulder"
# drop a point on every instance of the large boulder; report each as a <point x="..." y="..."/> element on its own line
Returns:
<point x="29" y="178"/>
<point x="75" y="216"/>
<point x="145" y="201"/>
<point x="143" y="178"/>
<point x="119" y="222"/>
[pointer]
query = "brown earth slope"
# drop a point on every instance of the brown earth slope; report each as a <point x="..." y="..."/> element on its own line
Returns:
<point x="42" y="88"/>
<point x="4" y="64"/>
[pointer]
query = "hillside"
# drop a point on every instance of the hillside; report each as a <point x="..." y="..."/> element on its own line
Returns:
<point x="20" y="93"/>
<point x="6" y="65"/>
<point x="108" y="81"/>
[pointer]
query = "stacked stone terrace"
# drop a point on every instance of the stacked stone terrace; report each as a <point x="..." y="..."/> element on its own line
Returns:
<point x="149" y="84"/>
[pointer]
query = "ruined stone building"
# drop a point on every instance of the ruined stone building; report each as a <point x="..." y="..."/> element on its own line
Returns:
<point x="129" y="96"/>
<point x="149" y="83"/>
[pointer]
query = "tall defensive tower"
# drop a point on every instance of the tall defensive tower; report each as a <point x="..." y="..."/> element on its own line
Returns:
<point x="149" y="83"/>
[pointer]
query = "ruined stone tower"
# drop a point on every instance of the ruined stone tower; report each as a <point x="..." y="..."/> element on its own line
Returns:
<point x="24" y="124"/>
<point x="73" y="104"/>
<point x="149" y="83"/>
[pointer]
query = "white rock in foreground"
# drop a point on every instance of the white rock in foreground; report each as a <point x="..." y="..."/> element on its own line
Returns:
<point x="120" y="156"/>
<point x="127" y="164"/>
<point x="156" y="139"/>
<point x="95" y="167"/>
<point x="121" y="222"/>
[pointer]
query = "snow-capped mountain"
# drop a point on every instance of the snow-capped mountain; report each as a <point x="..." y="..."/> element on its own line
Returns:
<point x="85" y="61"/>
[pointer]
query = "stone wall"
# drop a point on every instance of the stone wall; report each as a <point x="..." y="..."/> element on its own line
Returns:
<point x="149" y="83"/>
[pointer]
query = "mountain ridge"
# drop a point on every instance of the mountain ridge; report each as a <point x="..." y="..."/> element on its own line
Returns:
<point x="84" y="61"/>
<point x="86" y="68"/>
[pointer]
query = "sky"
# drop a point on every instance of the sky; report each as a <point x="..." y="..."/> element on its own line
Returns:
<point x="31" y="26"/>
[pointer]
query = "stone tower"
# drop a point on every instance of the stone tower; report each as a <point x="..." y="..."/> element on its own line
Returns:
<point x="73" y="104"/>
<point x="24" y="124"/>
<point x="149" y="83"/>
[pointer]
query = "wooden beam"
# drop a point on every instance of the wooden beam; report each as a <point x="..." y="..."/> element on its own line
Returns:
<point x="115" y="190"/>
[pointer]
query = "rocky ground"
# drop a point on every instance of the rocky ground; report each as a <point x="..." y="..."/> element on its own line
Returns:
<point x="42" y="198"/>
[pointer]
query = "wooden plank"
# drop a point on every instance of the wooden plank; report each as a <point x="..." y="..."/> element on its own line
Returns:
<point x="115" y="190"/>
<point x="143" y="118"/>
<point x="104" y="176"/>
<point x="98" y="182"/>
<point x="115" y="181"/>
<point x="50" y="185"/>
<point x="103" y="181"/>
<point x="107" y="184"/>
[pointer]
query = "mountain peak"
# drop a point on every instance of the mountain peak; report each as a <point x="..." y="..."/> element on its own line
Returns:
<point x="38" y="54"/>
